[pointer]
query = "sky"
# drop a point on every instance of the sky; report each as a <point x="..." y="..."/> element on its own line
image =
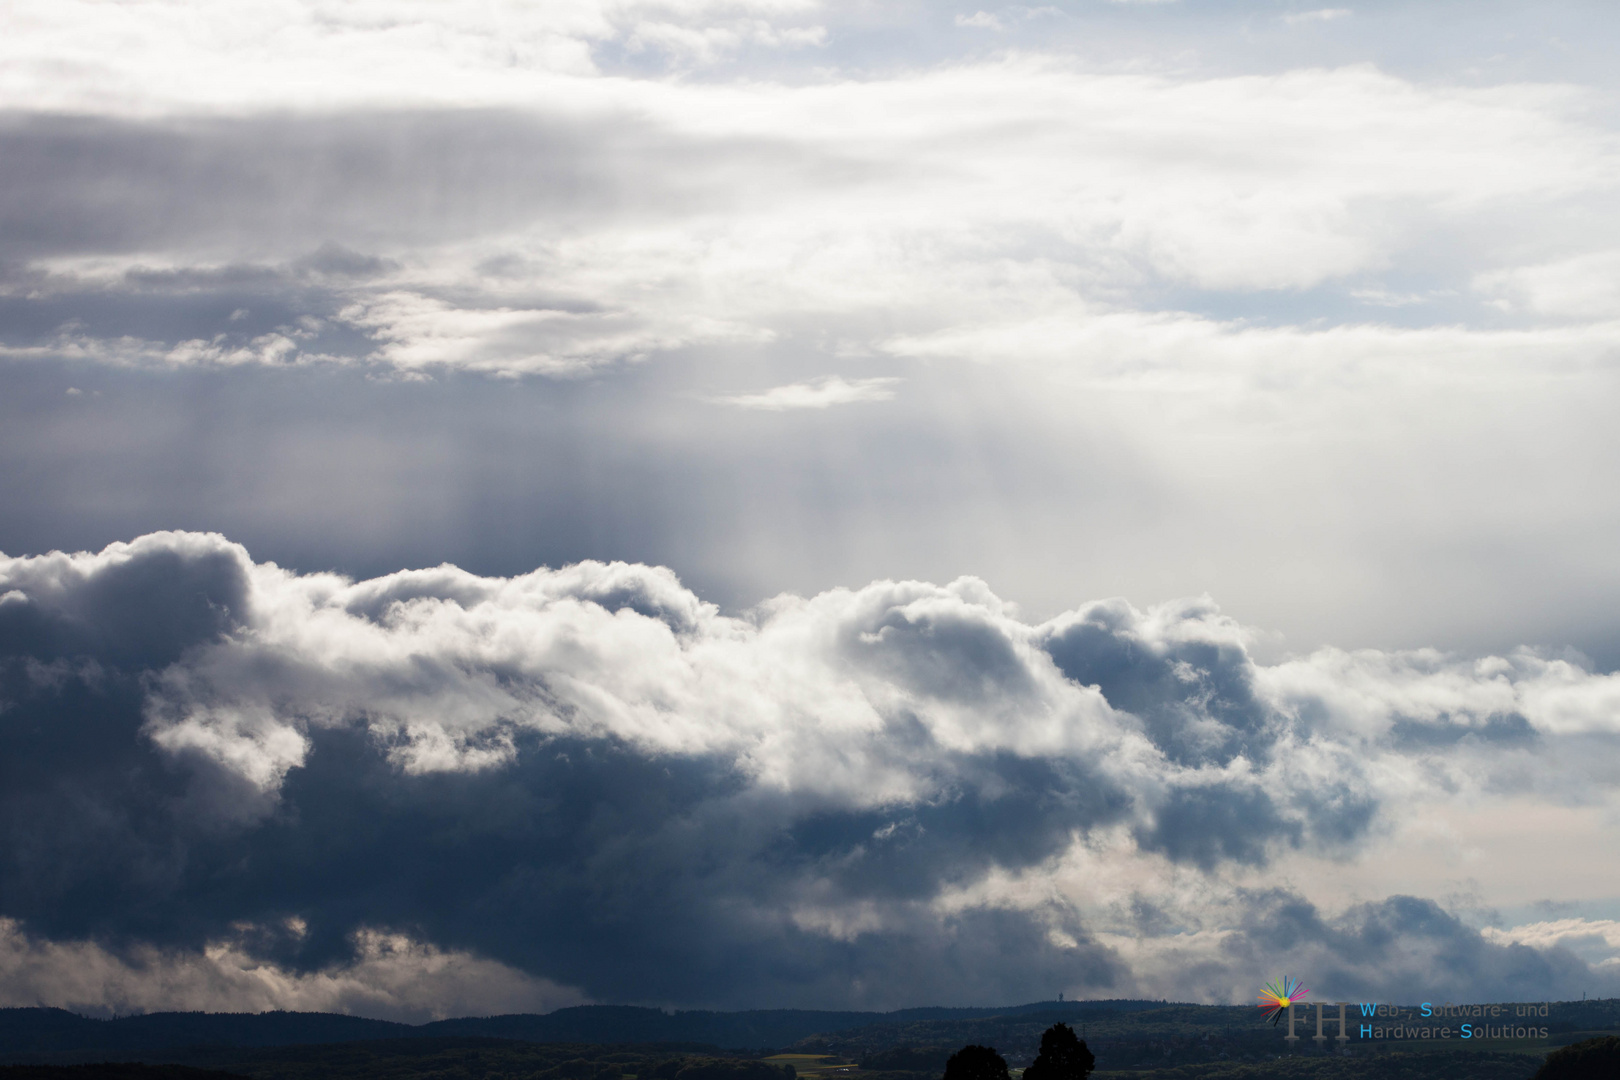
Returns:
<point x="784" y="503"/>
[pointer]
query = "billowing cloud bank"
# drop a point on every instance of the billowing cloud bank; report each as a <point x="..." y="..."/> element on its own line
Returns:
<point x="434" y="792"/>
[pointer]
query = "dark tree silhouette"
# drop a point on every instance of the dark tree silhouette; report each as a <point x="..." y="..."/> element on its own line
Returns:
<point x="1594" y="1059"/>
<point x="1062" y="1056"/>
<point x="976" y="1063"/>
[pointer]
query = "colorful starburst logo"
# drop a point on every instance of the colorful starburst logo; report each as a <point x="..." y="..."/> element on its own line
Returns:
<point x="1278" y="995"/>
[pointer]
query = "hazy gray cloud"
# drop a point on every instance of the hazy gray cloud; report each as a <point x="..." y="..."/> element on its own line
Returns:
<point x="281" y="185"/>
<point x="627" y="219"/>
<point x="389" y="976"/>
<point x="1140" y="316"/>
<point x="1404" y="949"/>
<point x="593" y="779"/>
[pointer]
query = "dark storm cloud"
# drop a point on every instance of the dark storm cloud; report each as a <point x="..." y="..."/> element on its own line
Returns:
<point x="571" y="855"/>
<point x="586" y="858"/>
<point x="593" y="777"/>
<point x="631" y="877"/>
<point x="1505" y="730"/>
<point x="1196" y="697"/>
<point x="1402" y="949"/>
<point x="1207" y="825"/>
<point x="136" y="616"/>
<point x="1197" y="701"/>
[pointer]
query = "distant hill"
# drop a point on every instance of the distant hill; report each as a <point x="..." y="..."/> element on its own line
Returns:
<point x="44" y="1034"/>
<point x="1016" y="1033"/>
<point x="761" y="1029"/>
<point x="462" y="1058"/>
<point x="423" y="1058"/>
<point x="496" y="1059"/>
<point x="111" y="1071"/>
<point x="31" y="1034"/>
<point x="1152" y="1039"/>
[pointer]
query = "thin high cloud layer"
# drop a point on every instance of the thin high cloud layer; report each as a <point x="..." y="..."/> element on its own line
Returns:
<point x="594" y="784"/>
<point x="152" y="55"/>
<point x="572" y="222"/>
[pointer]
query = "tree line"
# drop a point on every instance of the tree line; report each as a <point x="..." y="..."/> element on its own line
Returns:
<point x="1063" y="1056"/>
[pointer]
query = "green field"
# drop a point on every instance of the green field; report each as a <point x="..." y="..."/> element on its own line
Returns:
<point x="815" y="1065"/>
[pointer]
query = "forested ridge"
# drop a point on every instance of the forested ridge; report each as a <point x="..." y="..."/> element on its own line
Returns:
<point x="1145" y="1040"/>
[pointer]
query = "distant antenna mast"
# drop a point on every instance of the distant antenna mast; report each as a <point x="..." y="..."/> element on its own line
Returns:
<point x="1060" y="995"/>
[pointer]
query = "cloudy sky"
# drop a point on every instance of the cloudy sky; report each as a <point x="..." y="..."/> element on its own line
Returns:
<point x="755" y="503"/>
